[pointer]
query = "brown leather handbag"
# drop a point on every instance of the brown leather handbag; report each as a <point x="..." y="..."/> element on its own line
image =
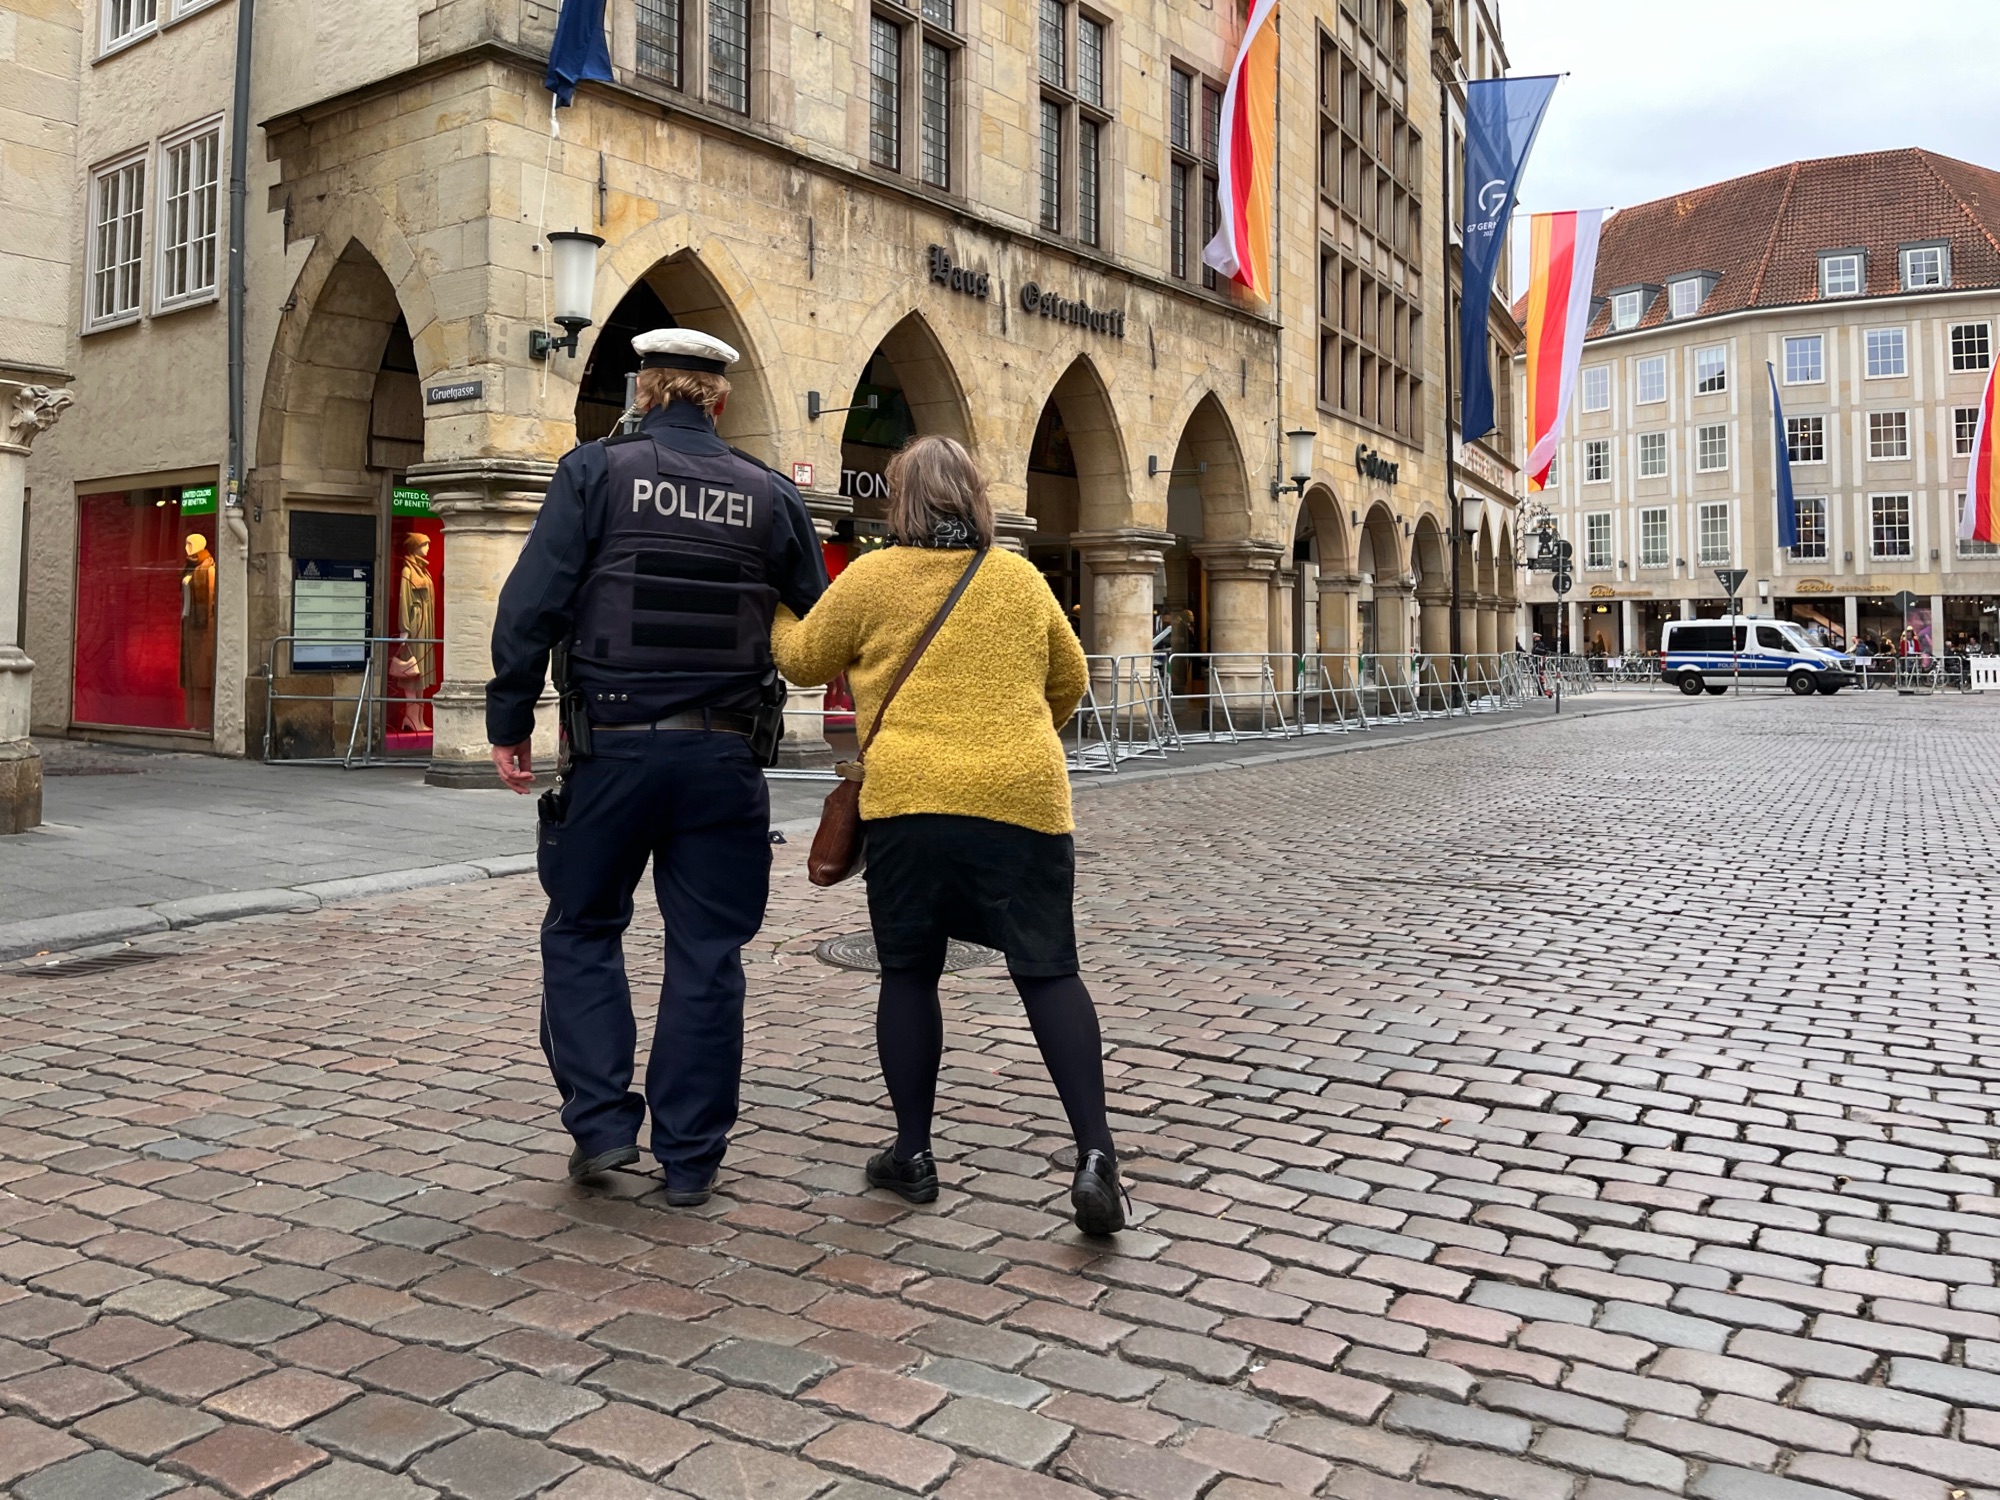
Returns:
<point x="836" y="845"/>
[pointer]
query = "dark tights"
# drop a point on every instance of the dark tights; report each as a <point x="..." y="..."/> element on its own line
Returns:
<point x="909" y="1036"/>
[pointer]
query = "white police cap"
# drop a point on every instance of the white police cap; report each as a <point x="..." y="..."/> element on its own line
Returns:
<point x="682" y="349"/>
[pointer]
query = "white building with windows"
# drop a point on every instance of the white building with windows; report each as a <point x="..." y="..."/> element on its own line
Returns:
<point x="1870" y="285"/>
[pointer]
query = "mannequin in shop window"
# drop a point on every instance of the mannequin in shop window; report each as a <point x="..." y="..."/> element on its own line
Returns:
<point x="413" y="668"/>
<point x="198" y="633"/>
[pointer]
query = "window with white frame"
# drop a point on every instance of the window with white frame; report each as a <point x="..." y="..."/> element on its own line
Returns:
<point x="1967" y="547"/>
<point x="1653" y="545"/>
<point x="1888" y="434"/>
<point x="1711" y="447"/>
<point x="1887" y="353"/>
<point x="128" y="20"/>
<point x="1625" y="310"/>
<point x="1597" y="388"/>
<point x="1964" y="429"/>
<point x="1925" y="266"/>
<point x="1840" y="275"/>
<point x="190" y="173"/>
<point x="1652" y="455"/>
<point x="1711" y="370"/>
<point x="1652" y="379"/>
<point x="1812" y="529"/>
<point x="1596" y="460"/>
<point x="1555" y="470"/>
<point x="1971" y="346"/>
<point x="1805" y="439"/>
<point x="1597" y="540"/>
<point x="1712" y="532"/>
<point x="1888" y="526"/>
<point x="1684" y="297"/>
<point x="1805" y="359"/>
<point x="117" y="241"/>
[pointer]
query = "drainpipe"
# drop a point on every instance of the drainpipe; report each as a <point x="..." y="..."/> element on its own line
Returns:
<point x="239" y="193"/>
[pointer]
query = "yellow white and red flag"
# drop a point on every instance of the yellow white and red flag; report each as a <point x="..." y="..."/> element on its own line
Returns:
<point x="1241" y="249"/>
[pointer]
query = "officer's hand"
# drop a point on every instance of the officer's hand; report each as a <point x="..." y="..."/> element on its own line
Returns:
<point x="515" y="763"/>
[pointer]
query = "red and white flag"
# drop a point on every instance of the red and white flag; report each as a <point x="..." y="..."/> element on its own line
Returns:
<point x="1977" y="522"/>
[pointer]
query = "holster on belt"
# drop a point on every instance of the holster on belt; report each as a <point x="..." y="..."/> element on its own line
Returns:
<point x="770" y="729"/>
<point x="572" y="713"/>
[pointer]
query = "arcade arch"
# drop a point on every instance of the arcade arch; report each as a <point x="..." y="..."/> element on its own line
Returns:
<point x="1075" y="481"/>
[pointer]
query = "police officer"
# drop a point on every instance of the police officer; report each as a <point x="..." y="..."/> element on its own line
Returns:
<point x="658" y="559"/>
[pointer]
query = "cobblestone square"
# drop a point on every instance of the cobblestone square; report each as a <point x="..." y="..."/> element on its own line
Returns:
<point x="1591" y="1110"/>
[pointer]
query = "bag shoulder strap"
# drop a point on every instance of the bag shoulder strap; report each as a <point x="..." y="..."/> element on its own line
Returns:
<point x="923" y="643"/>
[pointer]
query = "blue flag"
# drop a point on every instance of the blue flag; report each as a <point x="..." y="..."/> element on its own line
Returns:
<point x="1788" y="508"/>
<point x="579" y="50"/>
<point x="1501" y="118"/>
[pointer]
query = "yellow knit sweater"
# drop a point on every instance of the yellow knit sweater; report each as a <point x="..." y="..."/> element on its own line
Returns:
<point x="974" y="729"/>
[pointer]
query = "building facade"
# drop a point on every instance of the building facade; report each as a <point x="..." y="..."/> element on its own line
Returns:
<point x="41" y="63"/>
<point x="978" y="219"/>
<point x="1871" y="287"/>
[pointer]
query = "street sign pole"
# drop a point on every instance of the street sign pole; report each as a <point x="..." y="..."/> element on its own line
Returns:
<point x="1731" y="580"/>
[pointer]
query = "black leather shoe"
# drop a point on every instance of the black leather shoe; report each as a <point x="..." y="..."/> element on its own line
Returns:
<point x="690" y="1197"/>
<point x="914" y="1181"/>
<point x="1097" y="1195"/>
<point x="582" y="1166"/>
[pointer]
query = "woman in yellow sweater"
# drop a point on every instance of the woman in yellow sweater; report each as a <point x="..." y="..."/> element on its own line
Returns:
<point x="965" y="804"/>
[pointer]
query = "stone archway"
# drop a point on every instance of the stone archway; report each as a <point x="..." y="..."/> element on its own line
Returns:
<point x="1507" y="568"/>
<point x="1382" y="586"/>
<point x="1429" y="562"/>
<point x="342" y="426"/>
<point x="1323" y="555"/>
<point x="1486" y="590"/>
<point x="915" y="389"/>
<point x="1076" y="484"/>
<point x="679" y="292"/>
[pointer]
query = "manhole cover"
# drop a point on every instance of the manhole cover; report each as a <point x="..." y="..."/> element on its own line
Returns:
<point x="98" y="963"/>
<point x="856" y="950"/>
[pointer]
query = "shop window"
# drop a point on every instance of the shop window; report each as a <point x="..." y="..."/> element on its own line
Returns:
<point x="416" y="617"/>
<point x="145" y="609"/>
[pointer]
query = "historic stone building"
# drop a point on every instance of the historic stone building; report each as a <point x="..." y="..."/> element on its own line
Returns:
<point x="983" y="219"/>
<point x="1871" y="286"/>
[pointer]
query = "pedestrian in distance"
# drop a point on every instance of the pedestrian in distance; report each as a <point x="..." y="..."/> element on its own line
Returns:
<point x="653" y="572"/>
<point x="965" y="806"/>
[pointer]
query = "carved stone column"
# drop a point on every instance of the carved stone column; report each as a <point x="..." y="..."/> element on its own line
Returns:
<point x="1122" y="566"/>
<point x="1489" y="625"/>
<point x="1338" y="637"/>
<point x="488" y="506"/>
<point x="26" y="411"/>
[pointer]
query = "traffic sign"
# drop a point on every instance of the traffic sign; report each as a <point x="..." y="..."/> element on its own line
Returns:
<point x="1565" y="549"/>
<point x="1731" y="579"/>
<point x="1907" y="601"/>
<point x="1563" y="579"/>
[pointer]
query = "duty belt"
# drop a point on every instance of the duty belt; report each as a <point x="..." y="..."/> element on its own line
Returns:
<point x="719" y="720"/>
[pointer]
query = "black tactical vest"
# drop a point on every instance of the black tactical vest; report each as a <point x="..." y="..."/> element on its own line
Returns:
<point x="678" y="582"/>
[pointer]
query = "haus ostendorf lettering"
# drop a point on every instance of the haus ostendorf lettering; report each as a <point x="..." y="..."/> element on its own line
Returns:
<point x="1076" y="311"/>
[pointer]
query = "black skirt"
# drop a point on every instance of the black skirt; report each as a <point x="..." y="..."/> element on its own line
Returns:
<point x="933" y="876"/>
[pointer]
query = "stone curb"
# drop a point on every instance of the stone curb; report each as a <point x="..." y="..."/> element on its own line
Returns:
<point x="83" y="929"/>
<point x="72" y="930"/>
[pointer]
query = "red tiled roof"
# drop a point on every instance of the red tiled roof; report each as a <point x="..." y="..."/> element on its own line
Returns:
<point x="1761" y="235"/>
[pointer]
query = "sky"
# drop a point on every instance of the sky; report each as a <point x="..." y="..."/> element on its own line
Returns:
<point x="1665" y="95"/>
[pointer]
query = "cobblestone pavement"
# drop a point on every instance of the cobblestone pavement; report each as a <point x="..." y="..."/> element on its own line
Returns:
<point x="1599" y="1111"/>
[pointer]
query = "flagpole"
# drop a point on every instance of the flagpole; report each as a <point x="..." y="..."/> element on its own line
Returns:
<point x="1451" y="502"/>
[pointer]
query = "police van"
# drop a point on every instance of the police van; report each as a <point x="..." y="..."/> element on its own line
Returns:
<point x="1698" y="655"/>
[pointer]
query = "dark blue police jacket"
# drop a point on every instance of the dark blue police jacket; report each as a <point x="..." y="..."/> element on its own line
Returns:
<point x="538" y="602"/>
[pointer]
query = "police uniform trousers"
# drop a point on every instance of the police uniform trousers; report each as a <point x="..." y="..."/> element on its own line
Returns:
<point x="696" y="803"/>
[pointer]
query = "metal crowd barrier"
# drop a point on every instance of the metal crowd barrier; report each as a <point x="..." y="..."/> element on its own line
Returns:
<point x="1155" y="705"/>
<point x="345" y="719"/>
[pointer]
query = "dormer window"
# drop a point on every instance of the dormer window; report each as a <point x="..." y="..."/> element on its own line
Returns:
<point x="1926" y="266"/>
<point x="1840" y="273"/>
<point x="1626" y="310"/>
<point x="1686" y="295"/>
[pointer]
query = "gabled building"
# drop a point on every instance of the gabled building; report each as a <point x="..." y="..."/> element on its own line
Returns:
<point x="1871" y="285"/>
